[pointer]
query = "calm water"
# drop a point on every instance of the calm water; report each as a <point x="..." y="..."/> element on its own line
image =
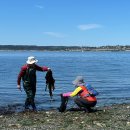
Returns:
<point x="108" y="72"/>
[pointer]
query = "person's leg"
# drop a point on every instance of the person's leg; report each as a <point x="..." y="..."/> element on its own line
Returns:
<point x="79" y="102"/>
<point x="30" y="97"/>
<point x="33" y="88"/>
<point x="27" y="101"/>
<point x="85" y="104"/>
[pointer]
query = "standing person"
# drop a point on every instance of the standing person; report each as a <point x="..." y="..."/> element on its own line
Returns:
<point x="85" y="99"/>
<point x="28" y="76"/>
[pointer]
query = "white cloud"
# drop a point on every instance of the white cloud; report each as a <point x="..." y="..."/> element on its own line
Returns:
<point x="89" y="26"/>
<point x="54" y="34"/>
<point x="39" y="6"/>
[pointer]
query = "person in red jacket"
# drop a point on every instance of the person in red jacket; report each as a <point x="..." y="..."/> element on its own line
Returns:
<point x="84" y="100"/>
<point x="28" y="76"/>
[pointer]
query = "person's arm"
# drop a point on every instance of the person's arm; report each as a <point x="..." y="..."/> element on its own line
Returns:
<point x="21" y="74"/>
<point x="44" y="68"/>
<point x="76" y="91"/>
<point x="72" y="94"/>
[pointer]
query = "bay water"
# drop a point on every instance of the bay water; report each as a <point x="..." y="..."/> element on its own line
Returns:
<point x="107" y="72"/>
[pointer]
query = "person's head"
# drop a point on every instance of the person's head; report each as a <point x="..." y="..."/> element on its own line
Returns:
<point x="31" y="61"/>
<point x="79" y="81"/>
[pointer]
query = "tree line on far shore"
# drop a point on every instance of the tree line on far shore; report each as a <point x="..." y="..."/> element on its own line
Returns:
<point x="65" y="48"/>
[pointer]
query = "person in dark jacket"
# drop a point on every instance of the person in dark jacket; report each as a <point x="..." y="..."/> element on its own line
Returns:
<point x="28" y="76"/>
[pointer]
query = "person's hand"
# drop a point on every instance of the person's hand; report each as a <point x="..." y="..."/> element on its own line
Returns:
<point x="67" y="94"/>
<point x="19" y="87"/>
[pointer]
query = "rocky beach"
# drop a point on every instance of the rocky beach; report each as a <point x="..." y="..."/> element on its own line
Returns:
<point x="115" y="117"/>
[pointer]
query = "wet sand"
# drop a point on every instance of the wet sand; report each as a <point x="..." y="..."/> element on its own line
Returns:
<point x="115" y="117"/>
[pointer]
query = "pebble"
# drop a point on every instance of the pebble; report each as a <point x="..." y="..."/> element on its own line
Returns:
<point x="128" y="123"/>
<point x="1" y="116"/>
<point x="99" y="124"/>
<point x="47" y="112"/>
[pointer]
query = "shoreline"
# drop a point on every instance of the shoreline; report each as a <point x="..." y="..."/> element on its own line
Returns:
<point x="92" y="50"/>
<point x="66" y="48"/>
<point x="112" y="117"/>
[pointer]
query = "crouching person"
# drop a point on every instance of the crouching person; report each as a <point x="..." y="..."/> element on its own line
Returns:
<point x="85" y="100"/>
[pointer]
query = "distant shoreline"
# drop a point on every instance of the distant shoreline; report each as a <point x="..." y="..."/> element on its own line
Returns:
<point x="62" y="48"/>
<point x="63" y="51"/>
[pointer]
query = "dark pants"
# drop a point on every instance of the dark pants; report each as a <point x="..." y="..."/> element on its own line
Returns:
<point x="30" y="92"/>
<point x="82" y="103"/>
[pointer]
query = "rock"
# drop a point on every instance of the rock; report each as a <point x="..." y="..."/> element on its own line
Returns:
<point x="14" y="125"/>
<point x="82" y="122"/>
<point x="99" y="124"/>
<point x="128" y="123"/>
<point x="1" y="116"/>
<point x="47" y="112"/>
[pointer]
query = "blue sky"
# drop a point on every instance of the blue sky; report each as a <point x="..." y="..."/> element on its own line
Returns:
<point x="65" y="22"/>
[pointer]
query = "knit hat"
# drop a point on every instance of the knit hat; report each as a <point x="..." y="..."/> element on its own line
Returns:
<point x="31" y="60"/>
<point x="78" y="81"/>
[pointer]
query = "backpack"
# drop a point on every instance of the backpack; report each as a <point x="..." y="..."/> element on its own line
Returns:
<point x="91" y="90"/>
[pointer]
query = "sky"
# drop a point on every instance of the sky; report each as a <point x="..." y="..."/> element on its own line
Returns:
<point x="65" y="22"/>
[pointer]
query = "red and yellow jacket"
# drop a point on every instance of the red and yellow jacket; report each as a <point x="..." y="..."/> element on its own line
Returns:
<point x="83" y="93"/>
